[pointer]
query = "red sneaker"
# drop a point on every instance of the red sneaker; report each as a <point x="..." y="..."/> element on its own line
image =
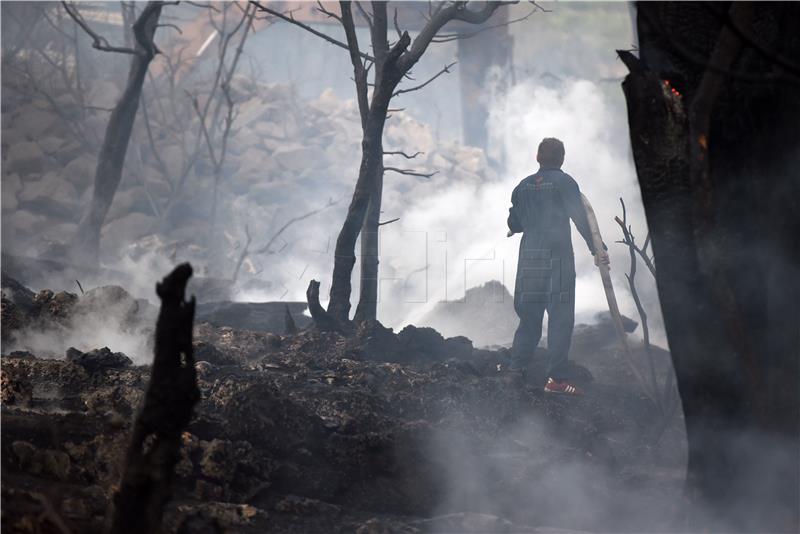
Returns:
<point x="563" y="388"/>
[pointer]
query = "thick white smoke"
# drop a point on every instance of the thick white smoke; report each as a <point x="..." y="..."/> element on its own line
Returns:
<point x="465" y="223"/>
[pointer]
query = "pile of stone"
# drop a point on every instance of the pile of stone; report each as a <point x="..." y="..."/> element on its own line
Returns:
<point x="284" y="157"/>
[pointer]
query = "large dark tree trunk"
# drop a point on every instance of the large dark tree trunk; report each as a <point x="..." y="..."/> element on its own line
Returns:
<point x="115" y="143"/>
<point x="714" y="109"/>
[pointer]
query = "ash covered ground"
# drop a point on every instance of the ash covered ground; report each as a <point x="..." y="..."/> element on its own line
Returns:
<point x="317" y="432"/>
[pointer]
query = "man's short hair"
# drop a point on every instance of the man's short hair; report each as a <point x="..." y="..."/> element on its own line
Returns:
<point x="550" y="153"/>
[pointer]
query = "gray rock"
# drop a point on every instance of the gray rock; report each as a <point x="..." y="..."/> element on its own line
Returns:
<point x="298" y="158"/>
<point x="255" y="161"/>
<point x="80" y="172"/>
<point x="60" y="233"/>
<point x="172" y="156"/>
<point x="95" y="127"/>
<point x="24" y="158"/>
<point x="127" y="229"/>
<point x="110" y="301"/>
<point x="52" y="196"/>
<point x="208" y="353"/>
<point x="70" y="150"/>
<point x="98" y="359"/>
<point x="11" y="186"/>
<point x="133" y="200"/>
<point x="23" y="223"/>
<point x="11" y="136"/>
<point x="34" y="123"/>
<point x="104" y="94"/>
<point x="9" y="202"/>
<point x="50" y="144"/>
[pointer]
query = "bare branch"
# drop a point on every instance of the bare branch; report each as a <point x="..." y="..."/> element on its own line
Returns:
<point x="287" y="224"/>
<point x="446" y="69"/>
<point x="98" y="41"/>
<point x="401" y="153"/>
<point x="169" y="25"/>
<point x="443" y="15"/>
<point x="99" y="108"/>
<point x="204" y="130"/>
<point x="540" y="7"/>
<point x="203" y="6"/>
<point x="410" y="172"/>
<point x="243" y="255"/>
<point x="290" y="19"/>
<point x="162" y="167"/>
<point x="390" y="221"/>
<point x="364" y="14"/>
<point x="359" y="72"/>
<point x="629" y="240"/>
<point x="446" y="38"/>
<point x="324" y="11"/>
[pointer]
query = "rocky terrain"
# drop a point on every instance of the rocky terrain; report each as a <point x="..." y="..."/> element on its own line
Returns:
<point x="314" y="432"/>
<point x="281" y="153"/>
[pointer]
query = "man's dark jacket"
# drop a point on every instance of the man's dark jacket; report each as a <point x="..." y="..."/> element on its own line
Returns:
<point x="542" y="206"/>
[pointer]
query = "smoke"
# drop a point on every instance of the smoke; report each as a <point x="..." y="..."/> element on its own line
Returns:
<point x="459" y="230"/>
<point x="532" y="474"/>
<point x="451" y="230"/>
<point x="85" y="331"/>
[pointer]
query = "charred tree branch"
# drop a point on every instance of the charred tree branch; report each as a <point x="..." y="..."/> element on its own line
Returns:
<point x="445" y="70"/>
<point x="166" y="411"/>
<point x="411" y="172"/>
<point x="290" y="19"/>
<point x="98" y="41"/>
<point x="402" y="153"/>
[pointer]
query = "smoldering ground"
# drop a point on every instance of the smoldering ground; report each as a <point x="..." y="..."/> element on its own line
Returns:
<point x="450" y="237"/>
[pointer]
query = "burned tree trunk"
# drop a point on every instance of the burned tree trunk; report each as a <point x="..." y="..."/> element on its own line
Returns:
<point x="371" y="167"/>
<point x="118" y="131"/>
<point x="714" y="136"/>
<point x="166" y="412"/>
<point x="367" y="308"/>
<point x="391" y="64"/>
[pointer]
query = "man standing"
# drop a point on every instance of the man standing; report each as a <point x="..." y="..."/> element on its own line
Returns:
<point x="541" y="207"/>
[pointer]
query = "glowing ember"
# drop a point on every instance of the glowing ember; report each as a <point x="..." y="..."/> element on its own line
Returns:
<point x="671" y="88"/>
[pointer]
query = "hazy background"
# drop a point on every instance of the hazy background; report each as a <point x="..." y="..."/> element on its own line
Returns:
<point x="563" y="81"/>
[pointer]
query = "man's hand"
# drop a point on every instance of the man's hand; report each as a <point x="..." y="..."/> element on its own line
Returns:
<point x="601" y="258"/>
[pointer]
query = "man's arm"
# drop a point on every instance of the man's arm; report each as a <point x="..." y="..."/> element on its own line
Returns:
<point x="571" y="196"/>
<point x="513" y="218"/>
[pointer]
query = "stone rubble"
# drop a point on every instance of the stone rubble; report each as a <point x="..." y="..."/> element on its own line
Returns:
<point x="280" y="151"/>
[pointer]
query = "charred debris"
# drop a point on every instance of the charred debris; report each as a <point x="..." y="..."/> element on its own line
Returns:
<point x="241" y="430"/>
